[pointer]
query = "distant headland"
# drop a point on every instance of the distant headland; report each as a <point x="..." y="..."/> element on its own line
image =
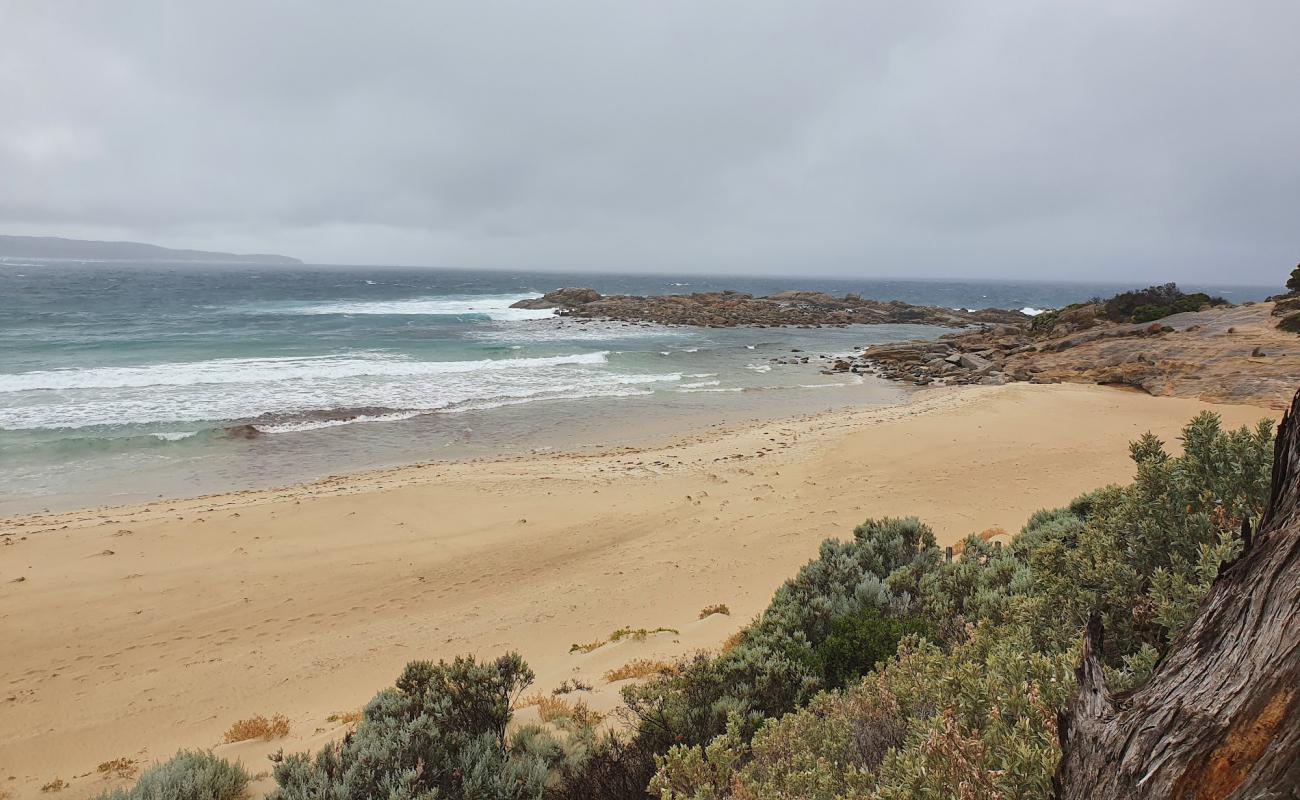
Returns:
<point x="54" y="248"/>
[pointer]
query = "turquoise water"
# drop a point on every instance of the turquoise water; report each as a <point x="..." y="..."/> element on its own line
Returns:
<point x="121" y="383"/>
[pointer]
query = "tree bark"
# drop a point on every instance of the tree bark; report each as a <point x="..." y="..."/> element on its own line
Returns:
<point x="1220" y="716"/>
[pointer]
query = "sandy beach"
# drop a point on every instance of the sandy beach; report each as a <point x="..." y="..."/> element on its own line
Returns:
<point x="133" y="632"/>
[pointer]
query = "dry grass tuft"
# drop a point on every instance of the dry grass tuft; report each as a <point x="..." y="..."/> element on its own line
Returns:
<point x="258" y="727"/>
<point x="119" y="768"/>
<point x="586" y="648"/>
<point x="529" y="700"/>
<point x="554" y="708"/>
<point x="551" y="708"/>
<point x="733" y="641"/>
<point x="640" y="668"/>
<point x="56" y="785"/>
<point x="716" y="608"/>
<point x="345" y="717"/>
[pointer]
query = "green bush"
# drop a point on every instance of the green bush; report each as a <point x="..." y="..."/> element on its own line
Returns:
<point x="859" y="641"/>
<point x="189" y="775"/>
<point x="441" y="732"/>
<point x="1155" y="302"/>
<point x="972" y="711"/>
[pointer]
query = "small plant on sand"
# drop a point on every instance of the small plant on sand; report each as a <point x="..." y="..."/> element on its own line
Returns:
<point x="258" y="727"/>
<point x="345" y="717"/>
<point x="639" y="634"/>
<point x="56" y="785"/>
<point x="570" y="686"/>
<point x="640" y="668"/>
<point x="190" y="775"/>
<point x="118" y="768"/>
<point x="716" y="608"/>
<point x="635" y="634"/>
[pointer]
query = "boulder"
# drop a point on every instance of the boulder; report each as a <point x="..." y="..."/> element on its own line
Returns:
<point x="242" y="432"/>
<point x="560" y="298"/>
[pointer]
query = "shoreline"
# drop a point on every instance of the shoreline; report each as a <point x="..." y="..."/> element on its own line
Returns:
<point x="144" y="628"/>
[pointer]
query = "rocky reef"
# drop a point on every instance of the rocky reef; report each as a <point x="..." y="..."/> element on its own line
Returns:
<point x="732" y="309"/>
<point x="1229" y="354"/>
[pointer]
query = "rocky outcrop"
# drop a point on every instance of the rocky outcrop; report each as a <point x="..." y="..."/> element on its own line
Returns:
<point x="731" y="309"/>
<point x="1228" y="354"/>
<point x="560" y="298"/>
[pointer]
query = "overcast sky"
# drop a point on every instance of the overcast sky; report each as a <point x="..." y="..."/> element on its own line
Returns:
<point x="1107" y="140"/>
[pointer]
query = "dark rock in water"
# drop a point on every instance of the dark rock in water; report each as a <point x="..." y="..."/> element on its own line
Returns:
<point x="242" y="432"/>
<point x="560" y="298"/>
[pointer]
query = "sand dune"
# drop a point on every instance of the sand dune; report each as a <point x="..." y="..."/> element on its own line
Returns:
<point x="132" y="632"/>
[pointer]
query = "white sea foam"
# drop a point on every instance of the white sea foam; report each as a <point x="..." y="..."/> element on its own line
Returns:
<point x="759" y="367"/>
<point x="169" y="436"/>
<point x="557" y="329"/>
<point x="496" y="307"/>
<point x="699" y="384"/>
<point x="257" y="370"/>
<point x="315" y="424"/>
<point x="1033" y="312"/>
<point x="241" y="389"/>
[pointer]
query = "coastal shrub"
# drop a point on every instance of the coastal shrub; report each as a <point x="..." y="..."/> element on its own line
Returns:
<point x="440" y="732"/>
<point x="969" y="709"/>
<point x="1145" y="554"/>
<point x="611" y="767"/>
<point x="859" y="641"/>
<point x="1155" y="302"/>
<point x="776" y="666"/>
<point x="189" y="775"/>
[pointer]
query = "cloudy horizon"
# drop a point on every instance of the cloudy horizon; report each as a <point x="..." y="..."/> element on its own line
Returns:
<point x="1101" y="141"/>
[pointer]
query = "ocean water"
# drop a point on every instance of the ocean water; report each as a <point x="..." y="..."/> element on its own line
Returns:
<point x="121" y="383"/>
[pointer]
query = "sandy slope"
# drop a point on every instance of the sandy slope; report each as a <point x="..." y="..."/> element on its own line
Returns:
<point x="141" y="630"/>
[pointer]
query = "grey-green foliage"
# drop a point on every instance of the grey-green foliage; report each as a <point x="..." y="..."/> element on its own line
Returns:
<point x="189" y="775"/>
<point x="439" y="733"/>
<point x="980" y="706"/>
<point x="1146" y="553"/>
<point x="775" y="668"/>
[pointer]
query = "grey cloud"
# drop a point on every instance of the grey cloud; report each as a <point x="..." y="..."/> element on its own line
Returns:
<point x="1113" y="140"/>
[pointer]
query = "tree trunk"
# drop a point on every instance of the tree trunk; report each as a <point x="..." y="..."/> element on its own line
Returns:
<point x="1219" y="717"/>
